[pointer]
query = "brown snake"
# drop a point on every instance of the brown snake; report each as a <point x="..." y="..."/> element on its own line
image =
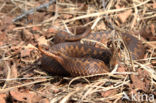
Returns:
<point x="76" y="59"/>
<point x="78" y="66"/>
<point x="81" y="54"/>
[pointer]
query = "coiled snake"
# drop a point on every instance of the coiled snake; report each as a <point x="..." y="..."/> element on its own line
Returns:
<point x="76" y="59"/>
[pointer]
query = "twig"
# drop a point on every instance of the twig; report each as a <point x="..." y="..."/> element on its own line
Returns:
<point x="29" y="78"/>
<point x="46" y="5"/>
<point x="105" y="12"/>
<point x="22" y="85"/>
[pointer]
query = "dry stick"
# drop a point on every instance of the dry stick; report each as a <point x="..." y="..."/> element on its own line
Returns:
<point x="148" y="17"/>
<point x="90" y="15"/>
<point x="135" y="17"/>
<point x="101" y="74"/>
<point x="105" y="12"/>
<point x="91" y="89"/>
<point x="132" y="63"/>
<point x="129" y="54"/>
<point x="150" y="58"/>
<point x="22" y="85"/>
<point x="76" y="78"/>
<point x="66" y="27"/>
<point x="67" y="97"/>
<point x="2" y="6"/>
<point x="115" y="87"/>
<point x="13" y="79"/>
<point x="95" y="23"/>
<point x="116" y="96"/>
<point x="151" y="71"/>
<point x="46" y="5"/>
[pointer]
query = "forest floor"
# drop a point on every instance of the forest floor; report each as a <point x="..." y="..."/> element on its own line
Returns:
<point x="22" y="80"/>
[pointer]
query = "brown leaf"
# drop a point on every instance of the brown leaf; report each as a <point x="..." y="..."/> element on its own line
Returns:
<point x="42" y="41"/>
<point x="22" y="96"/>
<point x="153" y="29"/>
<point x="51" y="8"/>
<point x="154" y="5"/>
<point x="67" y="16"/>
<point x="37" y="17"/>
<point x="26" y="35"/>
<point x="27" y="50"/>
<point x="140" y="81"/>
<point x="6" y="23"/>
<point x="153" y="62"/>
<point x="45" y="100"/>
<point x="52" y="30"/>
<point x="146" y="33"/>
<point x="14" y="72"/>
<point x="2" y="98"/>
<point x="36" y="28"/>
<point x="124" y="15"/>
<point x="1" y="43"/>
<point x="2" y="38"/>
<point x="121" y="69"/>
<point x="117" y="6"/>
<point x="109" y="93"/>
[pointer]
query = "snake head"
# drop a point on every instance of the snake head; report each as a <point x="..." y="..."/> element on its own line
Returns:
<point x="53" y="54"/>
<point x="60" y="37"/>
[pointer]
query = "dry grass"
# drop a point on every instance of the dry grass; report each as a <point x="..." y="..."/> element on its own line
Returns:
<point x="142" y="15"/>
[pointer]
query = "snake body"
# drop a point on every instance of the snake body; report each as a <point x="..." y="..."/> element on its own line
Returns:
<point x="75" y="59"/>
<point x="135" y="46"/>
<point x="78" y="56"/>
<point x="78" y="66"/>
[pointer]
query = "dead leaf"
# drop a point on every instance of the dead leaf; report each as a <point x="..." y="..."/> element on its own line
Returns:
<point x="42" y="41"/>
<point x="67" y="16"/>
<point x="153" y="62"/>
<point x="22" y="96"/>
<point x="3" y="38"/>
<point x="3" y="98"/>
<point x="37" y="17"/>
<point x="109" y="93"/>
<point x="137" y="83"/>
<point x="6" y="24"/>
<point x="45" y="100"/>
<point x="51" y="8"/>
<point x="117" y="5"/>
<point x="26" y="35"/>
<point x="52" y="30"/>
<point x="36" y="28"/>
<point x="26" y="50"/>
<point x="140" y="81"/>
<point x="153" y="29"/>
<point x="1" y="43"/>
<point x="121" y="69"/>
<point x="124" y="15"/>
<point x="154" y="5"/>
<point x="14" y="72"/>
<point x="146" y="33"/>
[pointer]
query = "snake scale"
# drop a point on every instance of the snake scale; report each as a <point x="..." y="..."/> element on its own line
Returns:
<point x="70" y="57"/>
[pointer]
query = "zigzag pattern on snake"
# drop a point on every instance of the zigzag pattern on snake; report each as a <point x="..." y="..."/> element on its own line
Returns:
<point x="75" y="59"/>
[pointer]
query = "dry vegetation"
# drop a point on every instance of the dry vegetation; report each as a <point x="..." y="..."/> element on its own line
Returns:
<point x="22" y="81"/>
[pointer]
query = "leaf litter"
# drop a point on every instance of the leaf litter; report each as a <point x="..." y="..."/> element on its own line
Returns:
<point x="21" y="79"/>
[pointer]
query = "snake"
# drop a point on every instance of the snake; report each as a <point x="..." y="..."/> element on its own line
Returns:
<point x="78" y="66"/>
<point x="69" y="57"/>
<point x="76" y="53"/>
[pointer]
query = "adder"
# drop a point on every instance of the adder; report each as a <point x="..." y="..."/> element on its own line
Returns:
<point x="69" y="57"/>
